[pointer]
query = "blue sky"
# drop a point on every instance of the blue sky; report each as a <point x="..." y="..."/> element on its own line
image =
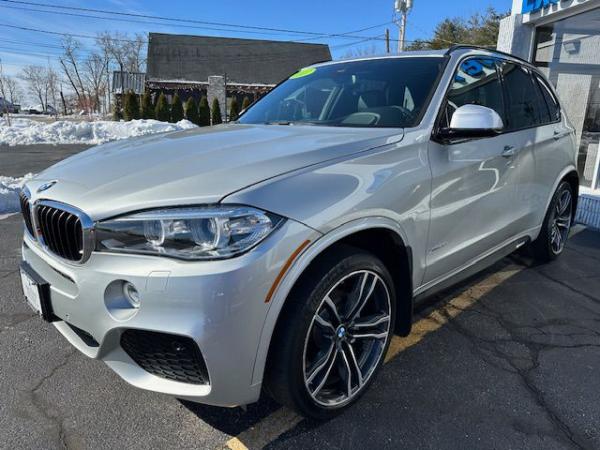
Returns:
<point x="19" y="47"/>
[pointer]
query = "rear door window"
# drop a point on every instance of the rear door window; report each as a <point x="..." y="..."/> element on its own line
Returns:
<point x="549" y="99"/>
<point x="526" y="107"/>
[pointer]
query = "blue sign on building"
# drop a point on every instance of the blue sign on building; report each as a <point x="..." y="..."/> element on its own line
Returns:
<point x="535" y="5"/>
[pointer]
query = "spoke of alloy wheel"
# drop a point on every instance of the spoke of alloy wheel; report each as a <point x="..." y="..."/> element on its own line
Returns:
<point x="563" y="222"/>
<point x="321" y="363"/>
<point x="354" y="362"/>
<point x="564" y="202"/>
<point x="349" y="371"/>
<point x="333" y="308"/>
<point x="370" y="321"/>
<point x="381" y="335"/>
<point x="329" y="365"/>
<point x="558" y="239"/>
<point x="366" y="289"/>
<point x="323" y="323"/>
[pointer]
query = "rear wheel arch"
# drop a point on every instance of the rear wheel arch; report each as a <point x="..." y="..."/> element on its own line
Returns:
<point x="573" y="179"/>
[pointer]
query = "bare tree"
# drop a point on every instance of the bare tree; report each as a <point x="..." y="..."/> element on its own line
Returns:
<point x="135" y="59"/>
<point x="36" y="78"/>
<point x="42" y="83"/>
<point x="72" y="68"/>
<point x="3" y="93"/>
<point x="52" y="82"/>
<point x="14" y="91"/>
<point x="369" y="50"/>
<point x="123" y="52"/>
<point x="94" y="77"/>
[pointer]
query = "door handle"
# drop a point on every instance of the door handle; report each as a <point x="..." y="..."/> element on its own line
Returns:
<point x="509" y="151"/>
<point x="559" y="135"/>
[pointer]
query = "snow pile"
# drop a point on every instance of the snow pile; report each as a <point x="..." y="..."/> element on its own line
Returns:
<point x="9" y="193"/>
<point x="27" y="132"/>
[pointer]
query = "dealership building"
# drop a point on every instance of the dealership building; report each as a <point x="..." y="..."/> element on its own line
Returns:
<point x="562" y="38"/>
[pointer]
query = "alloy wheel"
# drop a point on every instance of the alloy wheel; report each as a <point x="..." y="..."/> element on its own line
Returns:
<point x="346" y="338"/>
<point x="561" y="221"/>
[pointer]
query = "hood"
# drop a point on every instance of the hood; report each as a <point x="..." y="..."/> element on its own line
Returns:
<point x="198" y="166"/>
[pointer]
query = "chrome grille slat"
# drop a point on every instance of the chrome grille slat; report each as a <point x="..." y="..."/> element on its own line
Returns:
<point x="61" y="235"/>
<point x="61" y="231"/>
<point x="26" y="211"/>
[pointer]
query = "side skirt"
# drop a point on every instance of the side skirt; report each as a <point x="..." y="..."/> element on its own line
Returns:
<point x="462" y="273"/>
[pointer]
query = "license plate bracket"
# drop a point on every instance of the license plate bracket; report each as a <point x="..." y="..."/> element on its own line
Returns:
<point x="37" y="292"/>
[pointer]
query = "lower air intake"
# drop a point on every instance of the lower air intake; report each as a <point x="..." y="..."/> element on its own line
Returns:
<point x="169" y="356"/>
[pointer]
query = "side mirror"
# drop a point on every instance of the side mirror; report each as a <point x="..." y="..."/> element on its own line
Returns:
<point x="473" y="121"/>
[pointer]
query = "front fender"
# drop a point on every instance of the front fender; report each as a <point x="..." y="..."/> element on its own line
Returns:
<point x="297" y="268"/>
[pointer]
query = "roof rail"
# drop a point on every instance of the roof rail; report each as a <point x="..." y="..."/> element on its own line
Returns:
<point x="479" y="47"/>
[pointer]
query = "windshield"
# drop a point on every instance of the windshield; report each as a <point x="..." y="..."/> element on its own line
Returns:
<point x="371" y="93"/>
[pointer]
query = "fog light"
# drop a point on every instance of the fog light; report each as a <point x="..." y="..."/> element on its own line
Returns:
<point x="131" y="294"/>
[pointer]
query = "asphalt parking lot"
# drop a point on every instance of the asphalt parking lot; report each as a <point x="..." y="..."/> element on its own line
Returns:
<point x="509" y="359"/>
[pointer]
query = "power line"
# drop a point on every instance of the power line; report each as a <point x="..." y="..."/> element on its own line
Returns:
<point x="119" y="19"/>
<point x="198" y="22"/>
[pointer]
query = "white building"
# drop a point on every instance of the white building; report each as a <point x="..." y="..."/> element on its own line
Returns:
<point x="562" y="37"/>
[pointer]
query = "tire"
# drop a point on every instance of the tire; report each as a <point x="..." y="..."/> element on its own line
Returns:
<point x="556" y="226"/>
<point x="315" y="359"/>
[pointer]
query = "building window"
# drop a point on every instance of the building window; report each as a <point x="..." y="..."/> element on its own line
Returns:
<point x="567" y="51"/>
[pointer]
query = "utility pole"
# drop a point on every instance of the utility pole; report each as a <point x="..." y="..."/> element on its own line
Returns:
<point x="402" y="8"/>
<point x="387" y="40"/>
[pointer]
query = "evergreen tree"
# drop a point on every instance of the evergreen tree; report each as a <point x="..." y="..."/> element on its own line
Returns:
<point x="191" y="111"/>
<point x="162" y="111"/>
<point x="203" y="112"/>
<point x="479" y="29"/>
<point x="147" y="106"/>
<point x="215" y="112"/>
<point x="234" y="109"/>
<point x="131" y="110"/>
<point x="117" y="113"/>
<point x="245" y="103"/>
<point x="176" y="109"/>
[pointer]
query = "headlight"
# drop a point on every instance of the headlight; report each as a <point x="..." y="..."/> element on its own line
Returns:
<point x="211" y="232"/>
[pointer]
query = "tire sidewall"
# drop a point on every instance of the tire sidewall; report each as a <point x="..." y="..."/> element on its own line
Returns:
<point x="312" y="301"/>
<point x="547" y="228"/>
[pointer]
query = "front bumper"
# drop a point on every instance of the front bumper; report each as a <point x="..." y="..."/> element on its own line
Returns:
<point x="219" y="304"/>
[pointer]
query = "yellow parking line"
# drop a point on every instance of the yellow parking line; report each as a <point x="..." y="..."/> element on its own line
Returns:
<point x="284" y="419"/>
<point x="265" y="431"/>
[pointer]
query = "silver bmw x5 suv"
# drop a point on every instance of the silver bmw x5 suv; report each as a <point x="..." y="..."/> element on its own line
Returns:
<point x="280" y="253"/>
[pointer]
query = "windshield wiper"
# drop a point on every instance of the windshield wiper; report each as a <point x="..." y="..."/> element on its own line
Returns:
<point x="289" y="122"/>
<point x="279" y="122"/>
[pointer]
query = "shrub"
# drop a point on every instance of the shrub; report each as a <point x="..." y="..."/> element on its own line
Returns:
<point x="203" y="112"/>
<point x="117" y="113"/>
<point x="245" y="103"/>
<point x="191" y="111"/>
<point x="215" y="113"/>
<point x="162" y="111"/>
<point x="234" y="109"/>
<point x="131" y="110"/>
<point x="147" y="106"/>
<point x="176" y="109"/>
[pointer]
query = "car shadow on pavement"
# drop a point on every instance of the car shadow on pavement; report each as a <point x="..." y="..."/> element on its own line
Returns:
<point x="233" y="421"/>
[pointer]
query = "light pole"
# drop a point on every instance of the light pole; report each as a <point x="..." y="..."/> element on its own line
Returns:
<point x="402" y="8"/>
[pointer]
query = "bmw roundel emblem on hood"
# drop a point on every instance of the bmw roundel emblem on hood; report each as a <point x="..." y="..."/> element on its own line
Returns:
<point x="46" y="186"/>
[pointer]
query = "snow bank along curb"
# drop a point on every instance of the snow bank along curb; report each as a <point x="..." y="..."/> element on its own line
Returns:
<point x="27" y="132"/>
<point x="9" y="193"/>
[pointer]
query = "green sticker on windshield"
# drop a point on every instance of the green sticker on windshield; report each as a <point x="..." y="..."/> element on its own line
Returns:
<point x="303" y="73"/>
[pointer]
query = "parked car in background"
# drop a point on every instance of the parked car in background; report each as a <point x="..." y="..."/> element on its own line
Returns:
<point x="280" y="253"/>
<point x="6" y="106"/>
<point x="39" y="109"/>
